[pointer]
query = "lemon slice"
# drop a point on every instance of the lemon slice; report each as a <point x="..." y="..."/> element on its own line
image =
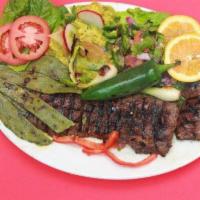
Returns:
<point x="185" y="48"/>
<point x="178" y="25"/>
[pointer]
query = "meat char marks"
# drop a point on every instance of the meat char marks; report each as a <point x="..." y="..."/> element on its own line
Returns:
<point x="145" y="123"/>
<point x="189" y="119"/>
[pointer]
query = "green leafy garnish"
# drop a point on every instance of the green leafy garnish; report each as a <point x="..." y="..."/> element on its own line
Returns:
<point x="118" y="59"/>
<point x="13" y="10"/>
<point x="142" y="17"/>
<point x="122" y="16"/>
<point x="71" y="16"/>
<point x="125" y="40"/>
<point x="147" y="43"/>
<point x="55" y="16"/>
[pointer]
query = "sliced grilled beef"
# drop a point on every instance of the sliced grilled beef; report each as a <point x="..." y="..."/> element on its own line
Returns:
<point x="145" y="123"/>
<point x="192" y="90"/>
<point x="189" y="119"/>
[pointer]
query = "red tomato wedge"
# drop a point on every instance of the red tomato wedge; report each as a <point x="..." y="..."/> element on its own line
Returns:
<point x="6" y="54"/>
<point x="29" y="37"/>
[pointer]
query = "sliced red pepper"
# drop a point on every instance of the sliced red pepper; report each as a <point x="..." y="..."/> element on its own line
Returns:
<point x="77" y="140"/>
<point x="144" y="162"/>
<point x="90" y="148"/>
<point x="114" y="136"/>
<point x="64" y="139"/>
<point x="88" y="144"/>
<point x="92" y="151"/>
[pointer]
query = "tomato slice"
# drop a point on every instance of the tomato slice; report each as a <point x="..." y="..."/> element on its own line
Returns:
<point x="29" y="37"/>
<point x="5" y="50"/>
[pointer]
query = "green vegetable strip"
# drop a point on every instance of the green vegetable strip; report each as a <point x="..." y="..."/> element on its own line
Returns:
<point x="15" y="121"/>
<point x="51" y="117"/>
<point x="142" y="17"/>
<point x="123" y="29"/>
<point x="37" y="82"/>
<point x="46" y="85"/>
<point x="111" y="35"/>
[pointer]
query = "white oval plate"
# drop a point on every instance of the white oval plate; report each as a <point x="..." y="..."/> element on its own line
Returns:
<point x="70" y="159"/>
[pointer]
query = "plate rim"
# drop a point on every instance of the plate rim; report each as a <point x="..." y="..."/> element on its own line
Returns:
<point x="84" y="175"/>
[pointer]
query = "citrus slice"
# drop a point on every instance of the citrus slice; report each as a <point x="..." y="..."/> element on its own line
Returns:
<point x="185" y="48"/>
<point x="178" y="25"/>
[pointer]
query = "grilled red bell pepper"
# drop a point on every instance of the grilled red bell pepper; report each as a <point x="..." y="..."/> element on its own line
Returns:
<point x="117" y="160"/>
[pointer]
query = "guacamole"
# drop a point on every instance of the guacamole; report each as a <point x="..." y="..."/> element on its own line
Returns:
<point x="87" y="67"/>
<point x="88" y="33"/>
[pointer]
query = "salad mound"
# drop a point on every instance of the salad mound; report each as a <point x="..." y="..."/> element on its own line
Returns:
<point x="102" y="35"/>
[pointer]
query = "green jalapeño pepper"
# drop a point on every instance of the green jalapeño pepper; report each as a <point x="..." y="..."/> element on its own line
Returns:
<point x="128" y="82"/>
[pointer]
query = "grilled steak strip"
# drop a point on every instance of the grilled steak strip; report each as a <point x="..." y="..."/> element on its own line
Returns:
<point x="145" y="123"/>
<point x="189" y="119"/>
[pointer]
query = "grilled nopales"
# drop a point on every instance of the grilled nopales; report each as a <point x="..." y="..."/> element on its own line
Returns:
<point x="144" y="122"/>
<point x="30" y="102"/>
<point x="15" y="120"/>
<point x="35" y="81"/>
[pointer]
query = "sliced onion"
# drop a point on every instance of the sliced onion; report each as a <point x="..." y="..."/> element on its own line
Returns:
<point x="144" y="56"/>
<point x="165" y="93"/>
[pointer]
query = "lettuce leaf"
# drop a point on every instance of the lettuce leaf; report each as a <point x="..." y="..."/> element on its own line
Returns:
<point x="142" y="17"/>
<point x="13" y="10"/>
<point x="55" y="16"/>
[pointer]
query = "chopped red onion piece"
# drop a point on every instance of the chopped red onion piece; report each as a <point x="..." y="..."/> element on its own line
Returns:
<point x="144" y="56"/>
<point x="130" y="20"/>
<point x="130" y="60"/>
<point x="167" y="80"/>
